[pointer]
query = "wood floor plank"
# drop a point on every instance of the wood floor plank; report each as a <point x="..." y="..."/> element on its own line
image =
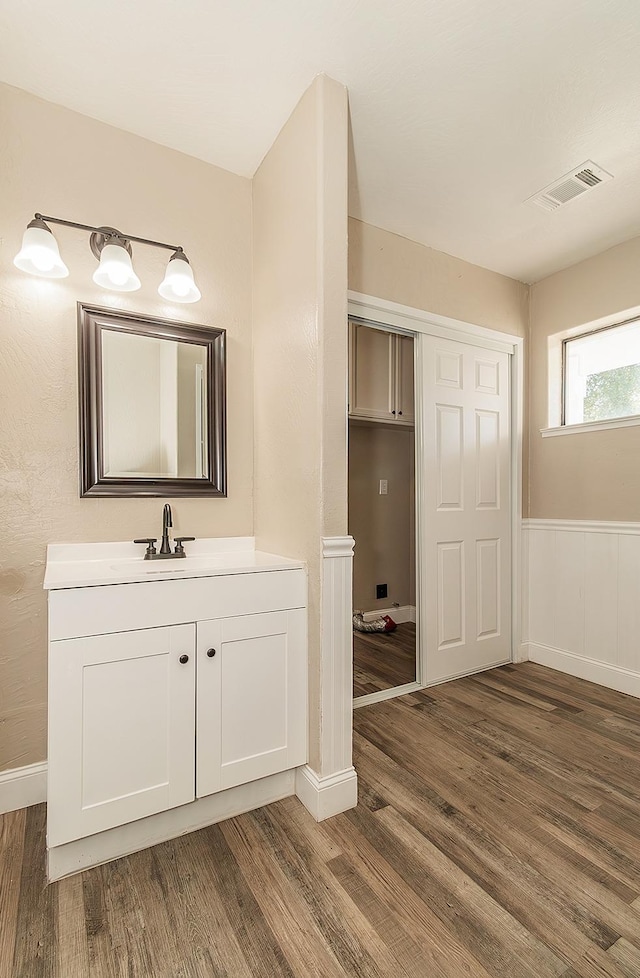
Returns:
<point x="593" y="913"/>
<point x="290" y="920"/>
<point x="383" y="918"/>
<point x="72" y="951"/>
<point x="596" y="963"/>
<point x="494" y="936"/>
<point x="589" y="866"/>
<point x="497" y="835"/>
<point x="464" y="759"/>
<point x="484" y="858"/>
<point x="608" y="699"/>
<point x="204" y="914"/>
<point x="444" y="953"/>
<point x="359" y="949"/>
<point x="260" y="948"/>
<point x="614" y="766"/>
<point x="627" y="957"/>
<point x="104" y="959"/>
<point x="34" y="955"/>
<point x="141" y="924"/>
<point x="124" y="919"/>
<point x="12" y="832"/>
<point x="492" y="680"/>
<point x="382" y="660"/>
<point x="539" y="694"/>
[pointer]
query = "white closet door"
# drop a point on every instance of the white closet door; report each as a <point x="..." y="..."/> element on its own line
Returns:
<point x="466" y="553"/>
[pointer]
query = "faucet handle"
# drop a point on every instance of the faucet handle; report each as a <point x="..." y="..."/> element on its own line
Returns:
<point x="150" y="541"/>
<point x="179" y="541"/>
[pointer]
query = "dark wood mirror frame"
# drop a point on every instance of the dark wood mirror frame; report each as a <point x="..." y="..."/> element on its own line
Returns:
<point x="93" y="482"/>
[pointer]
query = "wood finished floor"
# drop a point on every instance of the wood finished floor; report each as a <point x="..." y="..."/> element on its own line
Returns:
<point x="497" y="834"/>
<point x="382" y="660"/>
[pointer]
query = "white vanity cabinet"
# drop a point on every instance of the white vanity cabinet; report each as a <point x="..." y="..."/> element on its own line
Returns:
<point x="250" y="722"/>
<point x="167" y="688"/>
<point x="121" y="728"/>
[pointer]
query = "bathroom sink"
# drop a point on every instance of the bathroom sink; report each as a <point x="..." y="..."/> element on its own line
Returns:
<point x="169" y="566"/>
<point x="89" y="565"/>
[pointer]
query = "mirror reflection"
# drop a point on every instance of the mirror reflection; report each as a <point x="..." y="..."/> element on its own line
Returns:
<point x="154" y="397"/>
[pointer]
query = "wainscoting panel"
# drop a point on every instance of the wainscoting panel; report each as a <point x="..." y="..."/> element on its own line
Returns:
<point x="629" y="601"/>
<point x="583" y="614"/>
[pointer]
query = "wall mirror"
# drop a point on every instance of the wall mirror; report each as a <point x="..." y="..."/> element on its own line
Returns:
<point x="152" y="406"/>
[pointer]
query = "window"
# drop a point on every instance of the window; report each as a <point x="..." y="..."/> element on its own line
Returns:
<point x="601" y="372"/>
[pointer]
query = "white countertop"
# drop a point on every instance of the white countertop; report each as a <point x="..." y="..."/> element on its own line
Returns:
<point x="71" y="565"/>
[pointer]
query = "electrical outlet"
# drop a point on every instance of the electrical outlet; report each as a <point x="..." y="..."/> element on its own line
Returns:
<point x="381" y="591"/>
<point x="384" y="487"/>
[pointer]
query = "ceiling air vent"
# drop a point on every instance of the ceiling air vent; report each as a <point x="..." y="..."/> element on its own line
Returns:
<point x="585" y="177"/>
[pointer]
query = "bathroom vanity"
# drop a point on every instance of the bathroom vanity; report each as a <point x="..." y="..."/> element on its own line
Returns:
<point x="177" y="692"/>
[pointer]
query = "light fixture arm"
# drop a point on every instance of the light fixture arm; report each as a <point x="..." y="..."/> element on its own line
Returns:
<point x="108" y="231"/>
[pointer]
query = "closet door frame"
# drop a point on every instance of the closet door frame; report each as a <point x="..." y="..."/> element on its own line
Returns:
<point x="381" y="314"/>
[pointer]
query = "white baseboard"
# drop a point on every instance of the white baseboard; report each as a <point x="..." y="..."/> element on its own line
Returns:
<point x="324" y="797"/>
<point x="521" y="652"/>
<point x="23" y="786"/>
<point x="602" y="673"/>
<point x="406" y="612"/>
<point x="73" y="857"/>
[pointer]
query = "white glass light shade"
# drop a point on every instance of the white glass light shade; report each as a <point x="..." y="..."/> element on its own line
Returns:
<point x="39" y="254"/>
<point x="115" y="270"/>
<point x="178" y="284"/>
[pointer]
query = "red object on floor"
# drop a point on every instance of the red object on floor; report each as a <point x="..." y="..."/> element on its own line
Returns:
<point x="390" y="624"/>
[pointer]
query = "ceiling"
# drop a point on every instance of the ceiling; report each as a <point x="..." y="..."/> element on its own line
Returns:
<point x="460" y="109"/>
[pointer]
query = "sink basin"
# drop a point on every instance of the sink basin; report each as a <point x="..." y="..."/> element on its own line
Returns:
<point x="90" y="565"/>
<point x="168" y="566"/>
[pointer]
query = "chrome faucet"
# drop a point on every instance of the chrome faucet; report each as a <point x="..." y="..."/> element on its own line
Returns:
<point x="165" y="547"/>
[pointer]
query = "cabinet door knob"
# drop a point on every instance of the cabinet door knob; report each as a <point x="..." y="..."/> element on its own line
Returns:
<point x="211" y="653"/>
<point x="183" y="659"/>
<point x="399" y="412"/>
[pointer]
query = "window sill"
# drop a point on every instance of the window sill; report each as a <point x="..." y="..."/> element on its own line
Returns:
<point x="574" y="429"/>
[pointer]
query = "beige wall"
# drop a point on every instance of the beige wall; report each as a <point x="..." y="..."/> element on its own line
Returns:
<point x="61" y="163"/>
<point x="390" y="267"/>
<point x="300" y="347"/>
<point x="382" y="526"/>
<point x="595" y="475"/>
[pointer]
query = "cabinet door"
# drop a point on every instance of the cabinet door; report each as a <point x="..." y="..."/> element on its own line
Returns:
<point x="405" y="410"/>
<point x="121" y="729"/>
<point x="372" y="370"/>
<point x="251" y="718"/>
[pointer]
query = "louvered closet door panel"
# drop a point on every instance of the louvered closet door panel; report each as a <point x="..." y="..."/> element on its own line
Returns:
<point x="466" y="550"/>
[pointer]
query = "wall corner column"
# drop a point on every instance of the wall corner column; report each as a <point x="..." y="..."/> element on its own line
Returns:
<point x="334" y="788"/>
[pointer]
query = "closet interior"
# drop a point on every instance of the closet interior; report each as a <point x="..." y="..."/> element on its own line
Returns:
<point x="382" y="507"/>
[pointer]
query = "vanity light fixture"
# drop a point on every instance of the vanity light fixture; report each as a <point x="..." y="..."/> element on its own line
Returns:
<point x="115" y="270"/>
<point x="178" y="283"/>
<point x="39" y="255"/>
